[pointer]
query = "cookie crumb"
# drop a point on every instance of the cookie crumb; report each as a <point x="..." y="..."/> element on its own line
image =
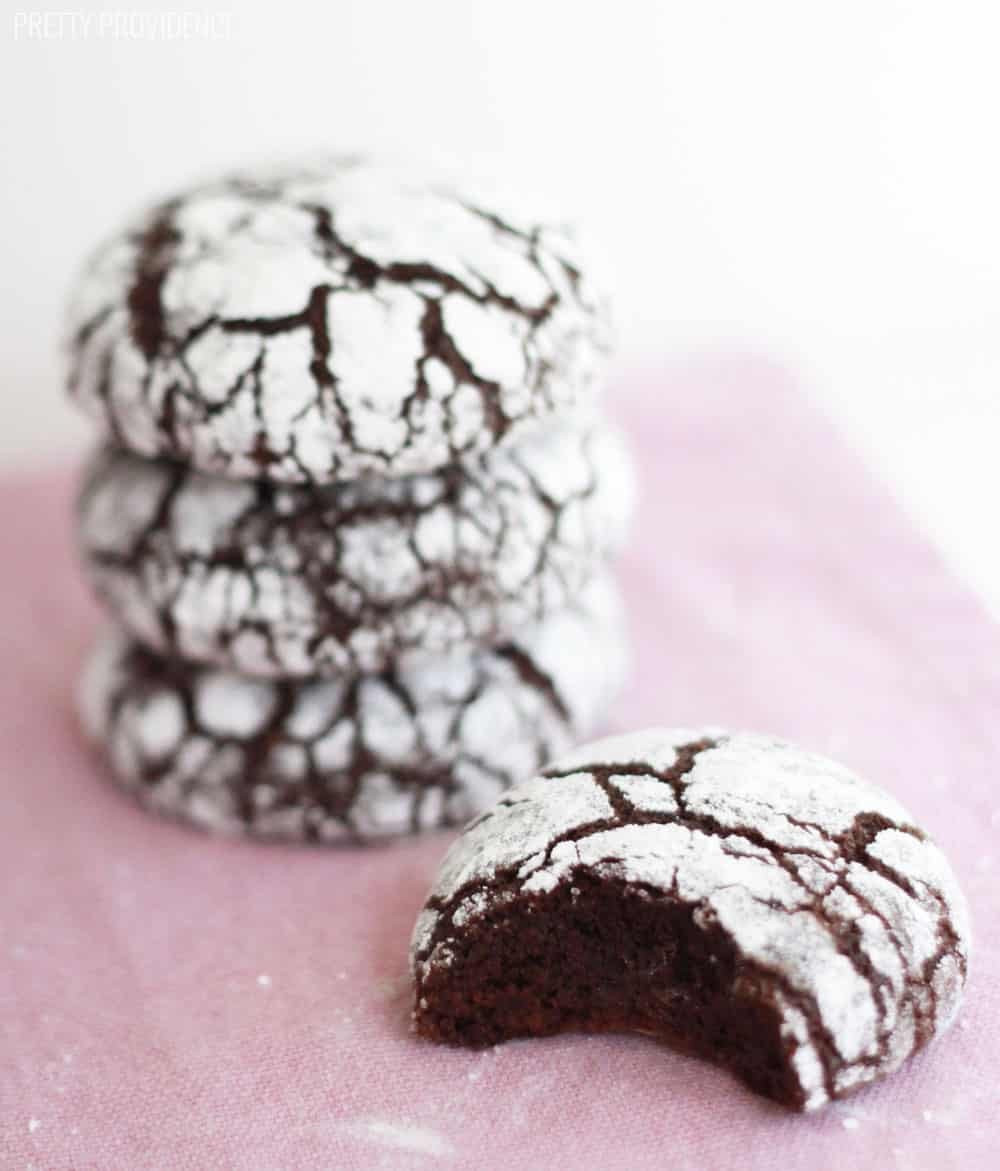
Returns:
<point x="33" y="1125"/>
<point x="850" y="1124"/>
<point x="264" y="980"/>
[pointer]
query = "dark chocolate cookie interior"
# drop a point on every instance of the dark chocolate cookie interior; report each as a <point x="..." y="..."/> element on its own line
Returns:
<point x="597" y="954"/>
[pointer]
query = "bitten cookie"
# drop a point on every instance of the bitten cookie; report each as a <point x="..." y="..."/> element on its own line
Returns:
<point x="422" y="745"/>
<point x="326" y="321"/>
<point x="281" y="580"/>
<point x="732" y="894"/>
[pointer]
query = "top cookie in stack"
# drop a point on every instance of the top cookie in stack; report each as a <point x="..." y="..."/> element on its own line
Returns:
<point x="352" y="451"/>
<point x="320" y="324"/>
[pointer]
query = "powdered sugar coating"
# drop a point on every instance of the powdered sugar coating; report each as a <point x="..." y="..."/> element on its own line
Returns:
<point x="427" y="743"/>
<point x="818" y="878"/>
<point x="299" y="580"/>
<point x="325" y="321"/>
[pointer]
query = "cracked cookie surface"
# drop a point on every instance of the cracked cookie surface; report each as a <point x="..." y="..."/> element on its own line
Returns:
<point x="425" y="744"/>
<point x="739" y="897"/>
<point x="301" y="580"/>
<point x="325" y="321"/>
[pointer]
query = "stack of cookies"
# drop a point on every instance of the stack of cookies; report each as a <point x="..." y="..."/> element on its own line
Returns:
<point x="354" y="508"/>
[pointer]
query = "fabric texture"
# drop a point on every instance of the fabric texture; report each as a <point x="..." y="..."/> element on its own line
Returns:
<point x="171" y="1001"/>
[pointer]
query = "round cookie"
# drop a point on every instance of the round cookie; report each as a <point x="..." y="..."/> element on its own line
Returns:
<point x="301" y="580"/>
<point x="729" y="893"/>
<point x="320" y="322"/>
<point x="426" y="744"/>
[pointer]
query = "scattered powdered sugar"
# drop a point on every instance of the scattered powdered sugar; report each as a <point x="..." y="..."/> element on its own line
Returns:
<point x="400" y="1136"/>
<point x="814" y="874"/>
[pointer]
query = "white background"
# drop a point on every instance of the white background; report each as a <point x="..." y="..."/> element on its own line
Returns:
<point x="815" y="180"/>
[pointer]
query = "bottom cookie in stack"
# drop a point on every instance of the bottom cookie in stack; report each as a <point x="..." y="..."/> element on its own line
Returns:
<point x="428" y="743"/>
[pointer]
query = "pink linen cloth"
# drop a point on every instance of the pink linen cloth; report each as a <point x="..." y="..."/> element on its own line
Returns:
<point x="170" y="1001"/>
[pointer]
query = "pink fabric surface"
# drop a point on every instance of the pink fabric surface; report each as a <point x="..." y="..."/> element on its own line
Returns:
<point x="171" y="1001"/>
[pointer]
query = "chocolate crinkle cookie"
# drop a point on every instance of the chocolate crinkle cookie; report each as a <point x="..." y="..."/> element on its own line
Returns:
<point x="324" y="321"/>
<point x="734" y="895"/>
<point x="354" y="505"/>
<point x="303" y="580"/>
<point x="428" y="742"/>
